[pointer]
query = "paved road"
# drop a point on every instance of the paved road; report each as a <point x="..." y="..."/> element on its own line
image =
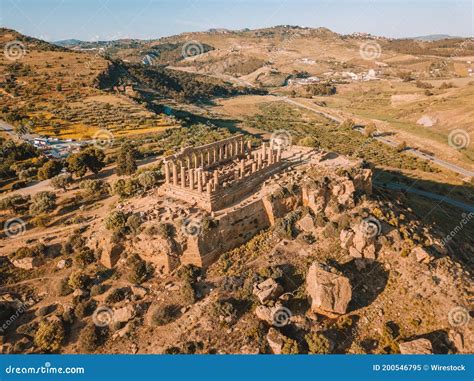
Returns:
<point x="442" y="163"/>
<point x="7" y="128"/>
<point x="433" y="196"/>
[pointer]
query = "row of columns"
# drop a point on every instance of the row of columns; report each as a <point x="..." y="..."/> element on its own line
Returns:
<point x="193" y="176"/>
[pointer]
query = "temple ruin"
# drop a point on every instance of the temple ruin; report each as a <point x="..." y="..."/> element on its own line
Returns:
<point x="216" y="175"/>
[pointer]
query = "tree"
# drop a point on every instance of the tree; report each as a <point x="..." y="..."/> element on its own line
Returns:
<point x="94" y="159"/>
<point x="61" y="181"/>
<point x="126" y="160"/>
<point x="76" y="165"/>
<point x="125" y="187"/>
<point x="370" y="129"/>
<point x="90" y="158"/>
<point x="43" y="202"/>
<point x="15" y="203"/>
<point x="148" y="179"/>
<point x="50" y="169"/>
<point x="94" y="188"/>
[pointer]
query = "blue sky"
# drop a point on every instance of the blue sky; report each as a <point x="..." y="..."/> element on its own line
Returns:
<point x="111" y="19"/>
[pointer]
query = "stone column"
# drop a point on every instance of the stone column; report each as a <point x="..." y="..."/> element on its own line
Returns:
<point x="208" y="157"/>
<point x="208" y="187"/>
<point x="214" y="151"/>
<point x="259" y="160"/>
<point x="202" y="159"/>
<point x="242" y="168"/>
<point x="249" y="146"/>
<point x="175" y="173"/>
<point x="278" y="156"/>
<point x="264" y="150"/>
<point x="254" y="166"/>
<point x="191" y="178"/>
<point x="167" y="173"/>
<point x="216" y="180"/>
<point x="242" y="146"/>
<point x="270" y="156"/>
<point x="199" y="180"/>
<point x="183" y="177"/>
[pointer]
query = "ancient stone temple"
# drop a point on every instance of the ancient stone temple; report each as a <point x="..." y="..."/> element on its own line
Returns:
<point x="216" y="175"/>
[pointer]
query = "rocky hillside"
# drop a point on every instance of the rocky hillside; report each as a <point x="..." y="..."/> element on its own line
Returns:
<point x="341" y="269"/>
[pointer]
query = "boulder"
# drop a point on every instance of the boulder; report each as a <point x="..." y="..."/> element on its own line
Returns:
<point x="277" y="315"/>
<point x="306" y="224"/>
<point x="27" y="263"/>
<point x="330" y="292"/>
<point x="421" y="255"/>
<point x="416" y="347"/>
<point x="275" y="340"/>
<point x="346" y="237"/>
<point x="111" y="255"/>
<point x="267" y="290"/>
<point x="139" y="291"/>
<point x="63" y="263"/>
<point x="124" y="314"/>
<point x="103" y="240"/>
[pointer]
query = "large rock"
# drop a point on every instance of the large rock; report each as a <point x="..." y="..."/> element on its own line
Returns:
<point x="346" y="237"/>
<point x="330" y="293"/>
<point x="124" y="314"/>
<point x="275" y="340"/>
<point x="27" y="263"/>
<point x="422" y="255"/>
<point x="416" y="347"/>
<point x="110" y="250"/>
<point x="306" y="224"/>
<point x="277" y="315"/>
<point x="267" y="290"/>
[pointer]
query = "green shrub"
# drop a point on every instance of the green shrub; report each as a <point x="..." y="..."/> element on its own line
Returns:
<point x="49" y="336"/>
<point x="317" y="343"/>
<point x="88" y="339"/>
<point x="165" y="315"/>
<point x="116" y="220"/>
<point x="290" y="347"/>
<point x="85" y="257"/>
<point x="78" y="280"/>
<point x="139" y="270"/>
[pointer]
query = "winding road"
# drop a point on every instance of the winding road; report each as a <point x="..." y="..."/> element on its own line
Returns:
<point x="442" y="163"/>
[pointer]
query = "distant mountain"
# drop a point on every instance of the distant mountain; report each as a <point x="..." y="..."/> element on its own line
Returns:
<point x="435" y="37"/>
<point x="68" y="42"/>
